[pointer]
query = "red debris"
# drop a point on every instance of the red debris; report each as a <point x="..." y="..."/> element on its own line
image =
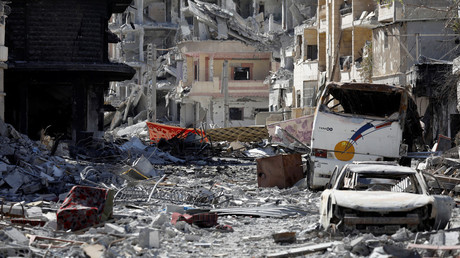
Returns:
<point x="204" y="220"/>
<point x="84" y="207"/>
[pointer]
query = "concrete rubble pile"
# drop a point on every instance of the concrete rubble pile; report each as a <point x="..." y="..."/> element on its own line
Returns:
<point x="146" y="202"/>
<point x="445" y="167"/>
<point x="133" y="109"/>
<point x="224" y="24"/>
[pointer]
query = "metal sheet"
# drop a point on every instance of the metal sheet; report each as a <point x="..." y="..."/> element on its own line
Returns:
<point x="282" y="171"/>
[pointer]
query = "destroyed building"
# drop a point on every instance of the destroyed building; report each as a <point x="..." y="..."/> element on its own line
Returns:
<point x="4" y="11"/>
<point x="147" y="29"/>
<point x="414" y="46"/>
<point x="58" y="66"/>
<point x="396" y="43"/>
<point x="331" y="48"/>
<point x="264" y="25"/>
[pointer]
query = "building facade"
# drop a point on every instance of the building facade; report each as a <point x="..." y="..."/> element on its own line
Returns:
<point x="202" y="99"/>
<point x="58" y="66"/>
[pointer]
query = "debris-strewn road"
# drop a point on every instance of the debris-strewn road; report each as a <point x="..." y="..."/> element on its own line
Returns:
<point x="251" y="221"/>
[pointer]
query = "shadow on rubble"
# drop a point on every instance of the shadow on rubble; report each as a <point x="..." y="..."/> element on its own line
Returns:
<point x="96" y="149"/>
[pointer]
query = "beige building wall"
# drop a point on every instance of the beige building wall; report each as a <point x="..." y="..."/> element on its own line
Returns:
<point x="346" y="45"/>
<point x="237" y="53"/>
<point x="360" y="37"/>
<point x="390" y="60"/>
<point x="206" y="97"/>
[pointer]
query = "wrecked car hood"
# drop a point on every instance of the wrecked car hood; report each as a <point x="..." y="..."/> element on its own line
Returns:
<point x="379" y="201"/>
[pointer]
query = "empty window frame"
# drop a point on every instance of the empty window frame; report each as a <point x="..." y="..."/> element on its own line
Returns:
<point x="298" y="102"/>
<point x="312" y="52"/>
<point x="241" y="73"/>
<point x="299" y="48"/>
<point x="309" y="96"/>
<point x="196" y="70"/>
<point x="236" y="113"/>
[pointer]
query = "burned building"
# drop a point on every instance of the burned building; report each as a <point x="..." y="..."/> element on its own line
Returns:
<point x="58" y="65"/>
<point x="4" y="11"/>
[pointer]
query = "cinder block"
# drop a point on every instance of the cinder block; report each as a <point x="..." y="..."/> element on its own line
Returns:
<point x="149" y="238"/>
<point x="12" y="235"/>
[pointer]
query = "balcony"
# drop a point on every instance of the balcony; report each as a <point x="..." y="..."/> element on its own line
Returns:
<point x="235" y="88"/>
<point x="353" y="74"/>
<point x="386" y="12"/>
<point x="322" y="25"/>
<point x="347" y="21"/>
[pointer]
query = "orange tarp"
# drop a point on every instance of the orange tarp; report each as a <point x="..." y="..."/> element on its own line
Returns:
<point x="158" y="131"/>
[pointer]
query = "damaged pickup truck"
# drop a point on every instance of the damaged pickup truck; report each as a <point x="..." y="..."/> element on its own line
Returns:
<point x="382" y="198"/>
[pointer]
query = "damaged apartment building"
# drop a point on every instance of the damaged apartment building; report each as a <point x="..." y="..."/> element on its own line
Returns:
<point x="403" y="43"/>
<point x="146" y="29"/>
<point x="4" y="11"/>
<point x="193" y="39"/>
<point x="58" y="66"/>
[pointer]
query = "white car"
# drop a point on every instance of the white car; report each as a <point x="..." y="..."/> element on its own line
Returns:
<point x="382" y="198"/>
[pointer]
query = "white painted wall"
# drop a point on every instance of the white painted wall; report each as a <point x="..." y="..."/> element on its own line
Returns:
<point x="249" y="104"/>
<point x="304" y="71"/>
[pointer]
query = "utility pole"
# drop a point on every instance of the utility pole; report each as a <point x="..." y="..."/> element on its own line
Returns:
<point x="225" y="91"/>
<point x="152" y="90"/>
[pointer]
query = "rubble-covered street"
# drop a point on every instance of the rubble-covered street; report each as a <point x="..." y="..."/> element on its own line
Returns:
<point x="229" y="128"/>
<point x="238" y="218"/>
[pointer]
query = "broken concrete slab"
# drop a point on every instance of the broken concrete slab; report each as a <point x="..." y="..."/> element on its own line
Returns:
<point x="222" y="28"/>
<point x="13" y="236"/>
<point x="15" y="179"/>
<point x="301" y="250"/>
<point x="149" y="238"/>
<point x="111" y="228"/>
<point x="143" y="165"/>
<point x="15" y="251"/>
<point x="93" y="250"/>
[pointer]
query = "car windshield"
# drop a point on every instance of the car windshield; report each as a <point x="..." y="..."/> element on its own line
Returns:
<point x="392" y="182"/>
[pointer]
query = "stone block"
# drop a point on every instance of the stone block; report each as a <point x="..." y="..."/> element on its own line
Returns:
<point x="149" y="238"/>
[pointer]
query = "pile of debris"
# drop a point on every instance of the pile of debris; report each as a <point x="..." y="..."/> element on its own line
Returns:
<point x="445" y="167"/>
<point x="145" y="201"/>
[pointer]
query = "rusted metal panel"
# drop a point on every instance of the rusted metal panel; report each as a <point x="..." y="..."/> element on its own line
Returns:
<point x="282" y="171"/>
<point x="409" y="220"/>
